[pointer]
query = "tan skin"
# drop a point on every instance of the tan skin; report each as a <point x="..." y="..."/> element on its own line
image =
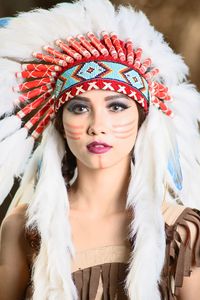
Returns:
<point x="95" y="221"/>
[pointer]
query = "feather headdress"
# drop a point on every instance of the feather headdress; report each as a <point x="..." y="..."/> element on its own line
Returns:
<point x="38" y="48"/>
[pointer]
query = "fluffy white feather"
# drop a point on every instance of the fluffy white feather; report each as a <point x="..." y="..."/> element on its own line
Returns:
<point x="26" y="189"/>
<point x="6" y="184"/>
<point x="135" y="25"/>
<point x="14" y="153"/>
<point x="7" y="81"/>
<point x="145" y="196"/>
<point x="9" y="146"/>
<point x="48" y="211"/>
<point x="186" y="107"/>
<point x="8" y="126"/>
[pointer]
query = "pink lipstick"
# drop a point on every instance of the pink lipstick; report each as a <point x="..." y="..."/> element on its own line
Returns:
<point x="98" y="147"/>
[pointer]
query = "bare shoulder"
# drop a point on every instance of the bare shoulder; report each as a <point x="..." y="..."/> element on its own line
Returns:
<point x="14" y="255"/>
<point x="14" y="223"/>
<point x="171" y="212"/>
<point x="13" y="235"/>
<point x="19" y="210"/>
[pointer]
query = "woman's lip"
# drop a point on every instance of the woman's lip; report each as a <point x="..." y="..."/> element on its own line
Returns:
<point x="95" y="143"/>
<point x="98" y="150"/>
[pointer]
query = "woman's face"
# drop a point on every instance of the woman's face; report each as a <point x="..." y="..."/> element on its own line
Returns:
<point x="103" y="117"/>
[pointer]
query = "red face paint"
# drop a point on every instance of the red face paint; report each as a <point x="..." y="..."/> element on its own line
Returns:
<point x="125" y="133"/>
<point x="123" y="125"/>
<point x="73" y="132"/>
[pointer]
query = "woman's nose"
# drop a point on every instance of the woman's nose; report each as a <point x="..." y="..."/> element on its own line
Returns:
<point x="98" y="124"/>
<point x="93" y="130"/>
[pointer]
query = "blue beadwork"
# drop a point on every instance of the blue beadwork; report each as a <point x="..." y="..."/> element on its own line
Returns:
<point x="108" y="70"/>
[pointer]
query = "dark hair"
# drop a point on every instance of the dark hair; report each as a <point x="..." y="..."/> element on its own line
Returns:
<point x="69" y="160"/>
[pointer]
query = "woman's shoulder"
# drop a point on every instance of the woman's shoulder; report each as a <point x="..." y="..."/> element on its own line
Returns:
<point x="182" y="227"/>
<point x="184" y="220"/>
<point x="13" y="226"/>
<point x="16" y="218"/>
<point x="174" y="214"/>
<point x="14" y="233"/>
<point x="171" y="212"/>
<point x="14" y="254"/>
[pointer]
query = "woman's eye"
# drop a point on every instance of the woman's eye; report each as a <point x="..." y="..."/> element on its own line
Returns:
<point x="118" y="107"/>
<point x="82" y="108"/>
<point x="78" y="108"/>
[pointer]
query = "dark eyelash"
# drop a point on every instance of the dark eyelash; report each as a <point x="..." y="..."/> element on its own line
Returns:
<point x="123" y="105"/>
<point x="73" y="106"/>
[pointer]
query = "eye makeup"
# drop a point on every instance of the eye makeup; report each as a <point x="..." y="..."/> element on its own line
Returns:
<point x="78" y="107"/>
<point x="122" y="105"/>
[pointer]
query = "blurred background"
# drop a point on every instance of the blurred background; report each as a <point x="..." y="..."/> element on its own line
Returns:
<point x="178" y="20"/>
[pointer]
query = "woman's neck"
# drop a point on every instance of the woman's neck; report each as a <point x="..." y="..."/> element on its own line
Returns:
<point x="100" y="191"/>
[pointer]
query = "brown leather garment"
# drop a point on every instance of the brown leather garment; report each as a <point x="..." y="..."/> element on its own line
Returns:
<point x="179" y="257"/>
<point x="179" y="260"/>
<point x="113" y="276"/>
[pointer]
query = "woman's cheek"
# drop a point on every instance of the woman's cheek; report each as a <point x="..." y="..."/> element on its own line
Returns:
<point x="72" y="130"/>
<point x="125" y="130"/>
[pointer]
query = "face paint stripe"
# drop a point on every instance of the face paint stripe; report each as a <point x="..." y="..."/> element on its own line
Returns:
<point x="71" y="132"/>
<point x="73" y="126"/>
<point x="124" y="131"/>
<point x="123" y="125"/>
<point x="100" y="162"/>
<point x="123" y="137"/>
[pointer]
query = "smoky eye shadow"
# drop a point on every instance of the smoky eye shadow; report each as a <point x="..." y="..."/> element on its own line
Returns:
<point x="74" y="103"/>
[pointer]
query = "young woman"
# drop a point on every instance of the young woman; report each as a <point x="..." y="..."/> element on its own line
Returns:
<point x="109" y="157"/>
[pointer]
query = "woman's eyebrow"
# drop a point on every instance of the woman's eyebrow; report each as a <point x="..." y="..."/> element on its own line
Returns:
<point x="108" y="98"/>
<point x="121" y="96"/>
<point x="79" y="98"/>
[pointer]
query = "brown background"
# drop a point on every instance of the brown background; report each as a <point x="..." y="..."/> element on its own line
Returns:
<point x="179" y="20"/>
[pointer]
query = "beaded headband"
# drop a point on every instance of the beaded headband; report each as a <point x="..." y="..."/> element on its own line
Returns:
<point x="86" y="63"/>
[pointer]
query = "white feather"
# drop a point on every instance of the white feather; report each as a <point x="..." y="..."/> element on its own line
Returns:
<point x="8" y="80"/>
<point x="36" y="31"/>
<point x="97" y="23"/>
<point x="135" y="25"/>
<point x="186" y="107"/>
<point x="48" y="211"/>
<point x="26" y="189"/>
<point x="13" y="159"/>
<point x="8" y="126"/>
<point x="10" y="145"/>
<point x="6" y="184"/>
<point x="145" y="195"/>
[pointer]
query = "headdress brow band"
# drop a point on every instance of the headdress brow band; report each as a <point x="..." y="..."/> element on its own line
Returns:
<point x="86" y="62"/>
